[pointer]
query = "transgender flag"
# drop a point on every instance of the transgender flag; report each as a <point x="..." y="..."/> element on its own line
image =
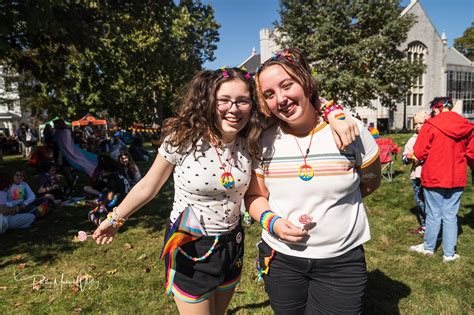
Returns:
<point x="80" y="159"/>
<point x="185" y="229"/>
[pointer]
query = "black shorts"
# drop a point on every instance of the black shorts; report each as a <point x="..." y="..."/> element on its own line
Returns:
<point x="314" y="286"/>
<point x="193" y="281"/>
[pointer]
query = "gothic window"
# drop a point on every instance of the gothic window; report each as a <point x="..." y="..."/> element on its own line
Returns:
<point x="416" y="53"/>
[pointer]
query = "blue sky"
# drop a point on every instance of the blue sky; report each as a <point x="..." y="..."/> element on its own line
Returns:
<point x="241" y="21"/>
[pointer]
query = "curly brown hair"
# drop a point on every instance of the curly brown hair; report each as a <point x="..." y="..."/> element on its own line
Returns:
<point x="197" y="116"/>
<point x="294" y="63"/>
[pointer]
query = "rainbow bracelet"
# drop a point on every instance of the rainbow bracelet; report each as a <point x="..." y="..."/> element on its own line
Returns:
<point x="268" y="219"/>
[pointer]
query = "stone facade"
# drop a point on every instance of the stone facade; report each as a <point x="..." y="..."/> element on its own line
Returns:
<point x="11" y="114"/>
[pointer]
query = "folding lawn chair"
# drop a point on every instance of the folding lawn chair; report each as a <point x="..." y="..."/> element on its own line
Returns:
<point x="387" y="147"/>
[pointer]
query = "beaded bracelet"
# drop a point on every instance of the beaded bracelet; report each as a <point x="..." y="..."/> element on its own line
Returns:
<point x="114" y="219"/>
<point x="326" y="105"/>
<point x="268" y="219"/>
<point x="330" y="109"/>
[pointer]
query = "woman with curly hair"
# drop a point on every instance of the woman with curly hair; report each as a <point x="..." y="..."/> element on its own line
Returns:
<point x="209" y="148"/>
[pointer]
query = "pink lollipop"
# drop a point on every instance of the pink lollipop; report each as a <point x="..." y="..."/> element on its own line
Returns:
<point x="82" y="236"/>
<point x="305" y="219"/>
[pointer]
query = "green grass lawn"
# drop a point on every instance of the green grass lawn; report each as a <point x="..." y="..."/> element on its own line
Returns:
<point x="38" y="266"/>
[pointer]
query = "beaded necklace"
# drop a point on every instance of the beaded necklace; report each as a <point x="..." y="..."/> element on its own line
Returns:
<point x="203" y="257"/>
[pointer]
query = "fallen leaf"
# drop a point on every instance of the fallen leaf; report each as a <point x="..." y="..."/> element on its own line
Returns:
<point x="3" y="288"/>
<point x="51" y="300"/>
<point x="84" y="277"/>
<point x="36" y="286"/>
<point x="75" y="289"/>
<point x="128" y="246"/>
<point x="142" y="257"/>
<point x="112" y="272"/>
<point x="146" y="270"/>
<point x="18" y="304"/>
<point x="78" y="310"/>
<point x="22" y="266"/>
<point x="16" y="258"/>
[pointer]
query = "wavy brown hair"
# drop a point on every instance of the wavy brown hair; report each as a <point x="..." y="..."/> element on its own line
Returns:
<point x="294" y="63"/>
<point x="197" y="115"/>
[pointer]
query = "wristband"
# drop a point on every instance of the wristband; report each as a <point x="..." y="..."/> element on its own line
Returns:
<point x="268" y="219"/>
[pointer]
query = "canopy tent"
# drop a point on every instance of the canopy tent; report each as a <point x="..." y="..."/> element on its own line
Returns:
<point x="41" y="127"/>
<point x="51" y="123"/>
<point x="84" y="121"/>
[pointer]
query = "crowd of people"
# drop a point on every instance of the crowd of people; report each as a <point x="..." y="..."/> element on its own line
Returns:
<point x="298" y="164"/>
<point x="113" y="171"/>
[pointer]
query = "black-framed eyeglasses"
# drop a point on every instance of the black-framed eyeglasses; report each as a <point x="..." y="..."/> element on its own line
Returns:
<point x="225" y="104"/>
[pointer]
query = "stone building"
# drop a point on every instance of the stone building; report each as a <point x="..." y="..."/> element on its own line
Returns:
<point x="11" y="114"/>
<point x="448" y="72"/>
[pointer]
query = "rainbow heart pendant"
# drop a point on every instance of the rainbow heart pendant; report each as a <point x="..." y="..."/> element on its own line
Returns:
<point x="305" y="172"/>
<point x="227" y="180"/>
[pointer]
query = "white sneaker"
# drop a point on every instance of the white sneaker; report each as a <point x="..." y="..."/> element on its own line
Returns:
<point x="420" y="248"/>
<point x="451" y="258"/>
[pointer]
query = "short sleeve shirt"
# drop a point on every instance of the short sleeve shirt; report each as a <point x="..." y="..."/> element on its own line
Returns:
<point x="197" y="182"/>
<point x="332" y="197"/>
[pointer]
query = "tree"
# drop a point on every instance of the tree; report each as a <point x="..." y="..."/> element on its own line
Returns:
<point x="128" y="58"/>
<point x="353" y="46"/>
<point x="465" y="43"/>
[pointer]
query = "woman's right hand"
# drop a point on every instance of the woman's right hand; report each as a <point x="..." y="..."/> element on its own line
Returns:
<point x="105" y="233"/>
<point x="287" y="231"/>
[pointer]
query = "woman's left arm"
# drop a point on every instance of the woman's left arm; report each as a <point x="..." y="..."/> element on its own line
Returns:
<point x="370" y="177"/>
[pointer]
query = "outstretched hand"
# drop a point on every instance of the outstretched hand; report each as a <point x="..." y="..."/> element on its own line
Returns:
<point x="105" y="233"/>
<point x="287" y="231"/>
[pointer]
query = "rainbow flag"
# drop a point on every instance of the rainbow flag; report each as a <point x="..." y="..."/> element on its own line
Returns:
<point x="185" y="229"/>
<point x="374" y="132"/>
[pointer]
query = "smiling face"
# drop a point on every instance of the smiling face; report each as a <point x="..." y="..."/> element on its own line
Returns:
<point x="235" y="118"/>
<point x="123" y="159"/>
<point x="285" y="97"/>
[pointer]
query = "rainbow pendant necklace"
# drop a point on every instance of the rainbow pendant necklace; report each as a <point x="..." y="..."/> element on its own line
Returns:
<point x="305" y="171"/>
<point x="227" y="179"/>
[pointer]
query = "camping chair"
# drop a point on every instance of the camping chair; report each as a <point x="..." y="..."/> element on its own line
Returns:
<point x="387" y="147"/>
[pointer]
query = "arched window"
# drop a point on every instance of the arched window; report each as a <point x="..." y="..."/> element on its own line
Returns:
<point x="416" y="52"/>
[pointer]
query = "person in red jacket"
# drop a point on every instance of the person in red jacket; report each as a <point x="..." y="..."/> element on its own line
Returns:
<point x="445" y="146"/>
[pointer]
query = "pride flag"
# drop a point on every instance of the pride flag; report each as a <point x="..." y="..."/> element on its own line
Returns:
<point x="185" y="229"/>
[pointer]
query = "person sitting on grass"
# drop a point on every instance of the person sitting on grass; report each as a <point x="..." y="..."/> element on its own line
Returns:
<point x="10" y="218"/>
<point x="415" y="175"/>
<point x="128" y="168"/>
<point x="20" y="195"/>
<point x="116" y="189"/>
<point x="49" y="185"/>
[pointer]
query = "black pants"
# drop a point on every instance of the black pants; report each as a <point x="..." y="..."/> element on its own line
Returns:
<point x="316" y="286"/>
